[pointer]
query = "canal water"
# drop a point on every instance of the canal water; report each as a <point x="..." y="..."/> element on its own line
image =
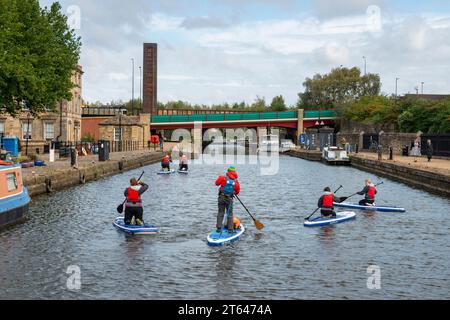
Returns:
<point x="283" y="261"/>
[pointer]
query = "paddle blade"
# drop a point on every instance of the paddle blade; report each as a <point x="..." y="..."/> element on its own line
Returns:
<point x="120" y="208"/>
<point x="259" y="225"/>
<point x="342" y="199"/>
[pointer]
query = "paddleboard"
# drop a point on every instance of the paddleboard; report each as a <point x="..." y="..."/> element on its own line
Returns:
<point x="371" y="208"/>
<point x="140" y="230"/>
<point x="340" y="217"/>
<point x="221" y="238"/>
<point x="166" y="172"/>
<point x="183" y="171"/>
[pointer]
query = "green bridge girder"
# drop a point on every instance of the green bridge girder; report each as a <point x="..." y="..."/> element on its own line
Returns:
<point x="307" y="114"/>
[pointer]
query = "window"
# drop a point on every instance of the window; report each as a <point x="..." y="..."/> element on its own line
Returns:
<point x="49" y="130"/>
<point x="2" y="127"/>
<point x="27" y="130"/>
<point x="11" y="181"/>
<point x="117" y="134"/>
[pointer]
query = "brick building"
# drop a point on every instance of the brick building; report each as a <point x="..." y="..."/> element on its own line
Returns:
<point x="62" y="125"/>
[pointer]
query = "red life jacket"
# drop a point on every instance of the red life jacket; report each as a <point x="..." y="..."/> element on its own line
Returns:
<point x="166" y="159"/>
<point x="327" y="200"/>
<point x="155" y="139"/>
<point x="133" y="195"/>
<point x="371" y="192"/>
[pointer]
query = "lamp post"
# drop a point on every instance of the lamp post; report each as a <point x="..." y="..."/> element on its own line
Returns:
<point x="28" y="133"/>
<point x="132" y="86"/>
<point x="120" y="131"/>
<point x="365" y="65"/>
<point x="396" y="86"/>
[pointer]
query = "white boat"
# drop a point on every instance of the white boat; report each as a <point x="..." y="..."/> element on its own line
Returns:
<point x="286" y="145"/>
<point x="269" y="143"/>
<point x="335" y="156"/>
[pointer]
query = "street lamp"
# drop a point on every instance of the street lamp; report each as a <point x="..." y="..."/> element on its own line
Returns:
<point x="365" y="65"/>
<point x="28" y="133"/>
<point x="396" y="86"/>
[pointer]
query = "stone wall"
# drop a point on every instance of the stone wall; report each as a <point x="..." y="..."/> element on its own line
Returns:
<point x="395" y="139"/>
<point x="429" y="181"/>
<point x="312" y="155"/>
<point x="55" y="181"/>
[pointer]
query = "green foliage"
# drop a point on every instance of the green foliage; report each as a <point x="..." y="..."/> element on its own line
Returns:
<point x="278" y="104"/>
<point x="408" y="114"/>
<point x="38" y="55"/>
<point x="337" y="88"/>
<point x="259" y="105"/>
<point x="88" y="137"/>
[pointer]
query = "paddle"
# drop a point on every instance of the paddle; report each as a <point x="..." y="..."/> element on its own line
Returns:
<point x="258" y="223"/>
<point x="120" y="207"/>
<point x="307" y="218"/>
<point x="342" y="199"/>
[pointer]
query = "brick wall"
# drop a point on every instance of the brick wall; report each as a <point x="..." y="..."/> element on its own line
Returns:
<point x="150" y="78"/>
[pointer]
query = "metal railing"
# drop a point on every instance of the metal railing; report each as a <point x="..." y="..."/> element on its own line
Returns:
<point x="310" y="114"/>
<point x="90" y="148"/>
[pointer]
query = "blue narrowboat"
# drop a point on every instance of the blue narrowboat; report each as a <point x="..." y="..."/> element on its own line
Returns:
<point x="14" y="198"/>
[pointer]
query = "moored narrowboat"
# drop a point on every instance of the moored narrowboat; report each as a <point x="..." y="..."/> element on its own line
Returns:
<point x="14" y="198"/>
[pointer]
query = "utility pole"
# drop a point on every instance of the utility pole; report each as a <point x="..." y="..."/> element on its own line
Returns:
<point x="422" y="86"/>
<point x="396" y="86"/>
<point x="365" y="65"/>
<point x="132" y="87"/>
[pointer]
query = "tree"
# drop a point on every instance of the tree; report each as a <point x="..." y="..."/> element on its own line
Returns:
<point x="259" y="105"/>
<point x="341" y="86"/>
<point x="278" y="104"/>
<point x="38" y="55"/>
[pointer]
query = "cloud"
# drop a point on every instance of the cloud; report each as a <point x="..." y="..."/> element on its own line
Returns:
<point x="204" y="22"/>
<point x="227" y="50"/>
<point x="325" y="9"/>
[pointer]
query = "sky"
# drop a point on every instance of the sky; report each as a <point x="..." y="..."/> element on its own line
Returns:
<point x="216" y="51"/>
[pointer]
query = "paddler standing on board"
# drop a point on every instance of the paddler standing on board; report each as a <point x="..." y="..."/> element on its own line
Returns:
<point x="133" y="203"/>
<point x="326" y="203"/>
<point x="369" y="193"/>
<point x="228" y="187"/>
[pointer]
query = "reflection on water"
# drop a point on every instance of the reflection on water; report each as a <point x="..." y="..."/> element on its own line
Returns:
<point x="74" y="227"/>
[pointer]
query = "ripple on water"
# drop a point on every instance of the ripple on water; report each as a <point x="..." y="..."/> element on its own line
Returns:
<point x="283" y="261"/>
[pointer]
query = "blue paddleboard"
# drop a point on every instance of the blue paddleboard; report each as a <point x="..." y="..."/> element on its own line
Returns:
<point x="221" y="238"/>
<point x="371" y="208"/>
<point x="140" y="230"/>
<point x="166" y="172"/>
<point x="340" y="217"/>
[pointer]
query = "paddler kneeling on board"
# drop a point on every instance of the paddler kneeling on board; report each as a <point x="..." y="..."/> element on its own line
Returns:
<point x="165" y="163"/>
<point x="133" y="204"/>
<point x="183" y="162"/>
<point x="228" y="187"/>
<point x="369" y="193"/>
<point x="326" y="203"/>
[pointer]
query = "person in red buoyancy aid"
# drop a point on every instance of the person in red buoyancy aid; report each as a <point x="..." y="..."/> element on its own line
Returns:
<point x="165" y="162"/>
<point x="133" y="204"/>
<point x="369" y="193"/>
<point x="228" y="187"/>
<point x="326" y="203"/>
